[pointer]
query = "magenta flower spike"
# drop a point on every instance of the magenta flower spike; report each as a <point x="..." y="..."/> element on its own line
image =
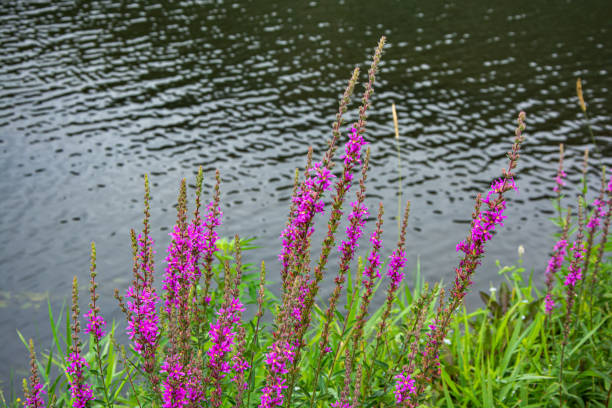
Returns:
<point x="559" y="181"/>
<point x="278" y="359"/>
<point x="397" y="262"/>
<point x="307" y="203"/>
<point x="554" y="265"/>
<point x="143" y="325"/>
<point x="79" y="390"/>
<point x="34" y="400"/>
<point x="598" y="214"/>
<point x="95" y="322"/>
<point x="33" y="396"/>
<point x="357" y="219"/>
<point x="575" y="271"/>
<point x="483" y="226"/>
<point x="174" y="386"/>
<point x="223" y="335"/>
<point x="183" y="258"/>
<point x="404" y="388"/>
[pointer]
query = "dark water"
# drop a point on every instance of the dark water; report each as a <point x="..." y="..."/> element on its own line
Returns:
<point x="93" y="94"/>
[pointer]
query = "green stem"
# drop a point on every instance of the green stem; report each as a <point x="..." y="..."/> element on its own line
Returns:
<point x="588" y="121"/>
<point x="252" y="372"/>
<point x="99" y="358"/>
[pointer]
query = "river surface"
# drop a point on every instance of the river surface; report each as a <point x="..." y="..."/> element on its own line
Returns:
<point x="94" y="94"/>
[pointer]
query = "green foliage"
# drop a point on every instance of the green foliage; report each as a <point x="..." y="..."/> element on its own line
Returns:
<point x="504" y="354"/>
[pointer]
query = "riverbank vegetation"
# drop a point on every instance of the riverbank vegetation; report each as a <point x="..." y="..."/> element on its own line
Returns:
<point x="215" y="335"/>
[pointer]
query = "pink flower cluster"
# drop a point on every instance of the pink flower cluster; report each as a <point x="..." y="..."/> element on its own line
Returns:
<point x="554" y="264"/>
<point x="307" y="203"/>
<point x="299" y="305"/>
<point x="95" y="322"/>
<point x="357" y="219"/>
<point x="211" y="221"/>
<point x="182" y="269"/>
<point x="575" y="271"/>
<point x="81" y="392"/>
<point x="142" y="301"/>
<point x="182" y="384"/>
<point x="352" y="151"/>
<point x="487" y="220"/>
<point x="598" y="214"/>
<point x="174" y="384"/>
<point x="549" y="303"/>
<point x="188" y="245"/>
<point x="404" y="387"/>
<point x="34" y="399"/>
<point x="280" y="356"/>
<point x="373" y="258"/>
<point x="143" y="324"/>
<point x="482" y="228"/>
<point x="223" y="334"/>
<point x="397" y="262"/>
<point x="559" y="182"/>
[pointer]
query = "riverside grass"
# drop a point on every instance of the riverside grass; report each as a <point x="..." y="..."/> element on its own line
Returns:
<point x="192" y="347"/>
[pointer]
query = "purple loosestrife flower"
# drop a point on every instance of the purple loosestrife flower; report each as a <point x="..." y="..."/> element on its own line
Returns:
<point x="278" y="359"/>
<point x="300" y="304"/>
<point x="95" y="323"/>
<point x="211" y="221"/>
<point x="354" y="231"/>
<point x="370" y="273"/>
<point x="374" y="258"/>
<point x="555" y="262"/>
<point x="182" y="270"/>
<point x="182" y="385"/>
<point x="306" y="203"/>
<point x="340" y="404"/>
<point x="549" y="303"/>
<point x="352" y="152"/>
<point x="575" y="272"/>
<point x="397" y="262"/>
<point x="240" y="366"/>
<point x="174" y="386"/>
<point x="143" y="326"/>
<point x="483" y="225"/>
<point x="80" y="392"/>
<point x="404" y="387"/>
<point x="432" y="346"/>
<point x="34" y="399"/>
<point x="357" y="219"/>
<point x="554" y="265"/>
<point x="34" y="394"/>
<point x="598" y="214"/>
<point x="559" y="182"/>
<point x="223" y="334"/>
<point x="141" y="302"/>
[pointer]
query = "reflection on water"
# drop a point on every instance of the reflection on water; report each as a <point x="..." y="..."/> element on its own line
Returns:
<point x="94" y="94"/>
